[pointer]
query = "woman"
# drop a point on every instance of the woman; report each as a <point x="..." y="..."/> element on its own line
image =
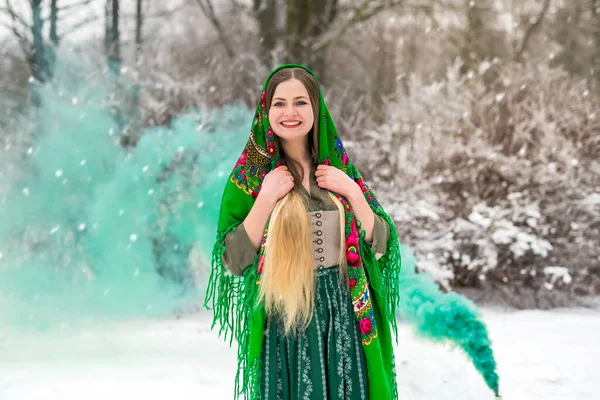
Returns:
<point x="306" y="262"/>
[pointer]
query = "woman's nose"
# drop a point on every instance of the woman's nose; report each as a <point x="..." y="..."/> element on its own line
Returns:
<point x="290" y="110"/>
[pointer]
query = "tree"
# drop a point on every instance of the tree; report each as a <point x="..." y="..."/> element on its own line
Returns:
<point x="139" y="20"/>
<point x="112" y="36"/>
<point x="38" y="51"/>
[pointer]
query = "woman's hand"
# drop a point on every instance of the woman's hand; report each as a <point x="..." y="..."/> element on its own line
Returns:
<point x="331" y="178"/>
<point x="277" y="183"/>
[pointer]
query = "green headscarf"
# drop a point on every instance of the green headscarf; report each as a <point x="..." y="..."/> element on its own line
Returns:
<point x="373" y="282"/>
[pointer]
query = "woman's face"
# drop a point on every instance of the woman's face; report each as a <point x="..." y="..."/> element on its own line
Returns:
<point x="291" y="113"/>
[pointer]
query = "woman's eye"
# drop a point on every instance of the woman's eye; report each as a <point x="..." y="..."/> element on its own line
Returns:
<point x="301" y="103"/>
<point x="278" y="104"/>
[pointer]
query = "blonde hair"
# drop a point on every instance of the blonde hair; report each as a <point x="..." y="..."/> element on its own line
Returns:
<point x="288" y="279"/>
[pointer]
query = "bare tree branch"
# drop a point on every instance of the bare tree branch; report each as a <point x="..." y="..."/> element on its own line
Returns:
<point x="534" y="26"/>
<point x="237" y="4"/>
<point x="76" y="5"/>
<point x="361" y="13"/>
<point x="23" y="40"/>
<point x="88" y="20"/>
<point x="14" y="16"/>
<point x="209" y="11"/>
<point x="13" y="58"/>
<point x="160" y="14"/>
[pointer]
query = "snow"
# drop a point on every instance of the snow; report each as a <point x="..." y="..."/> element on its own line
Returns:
<point x="546" y="355"/>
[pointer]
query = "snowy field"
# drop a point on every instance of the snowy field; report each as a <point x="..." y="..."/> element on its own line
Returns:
<point x="541" y="355"/>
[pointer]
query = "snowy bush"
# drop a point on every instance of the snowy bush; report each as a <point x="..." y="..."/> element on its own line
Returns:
<point x="496" y="189"/>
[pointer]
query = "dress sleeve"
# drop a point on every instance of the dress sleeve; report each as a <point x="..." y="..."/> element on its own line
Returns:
<point x="239" y="251"/>
<point x="381" y="234"/>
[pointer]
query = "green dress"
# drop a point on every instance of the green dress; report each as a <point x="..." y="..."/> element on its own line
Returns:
<point x="326" y="360"/>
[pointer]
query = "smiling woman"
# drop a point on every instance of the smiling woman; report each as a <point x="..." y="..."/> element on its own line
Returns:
<point x="306" y="262"/>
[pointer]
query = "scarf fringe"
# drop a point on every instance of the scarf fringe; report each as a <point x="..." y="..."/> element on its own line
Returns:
<point x="232" y="299"/>
<point x="384" y="275"/>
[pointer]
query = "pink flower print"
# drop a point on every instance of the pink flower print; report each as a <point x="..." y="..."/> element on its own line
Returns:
<point x="352" y="258"/>
<point x="365" y="326"/>
<point x="352" y="283"/>
<point x="272" y="148"/>
<point x="352" y="240"/>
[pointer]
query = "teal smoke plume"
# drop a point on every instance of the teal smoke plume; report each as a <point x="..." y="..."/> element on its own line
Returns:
<point x="446" y="317"/>
<point x="92" y="227"/>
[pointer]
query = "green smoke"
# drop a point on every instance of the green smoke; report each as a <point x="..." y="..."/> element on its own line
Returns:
<point x="93" y="228"/>
<point x="446" y="317"/>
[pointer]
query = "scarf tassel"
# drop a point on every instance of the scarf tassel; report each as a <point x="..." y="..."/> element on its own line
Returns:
<point x="232" y="300"/>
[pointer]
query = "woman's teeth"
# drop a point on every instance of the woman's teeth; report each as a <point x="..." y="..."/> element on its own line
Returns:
<point x="290" y="123"/>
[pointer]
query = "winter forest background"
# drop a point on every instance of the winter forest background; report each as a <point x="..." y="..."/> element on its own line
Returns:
<point x="476" y="122"/>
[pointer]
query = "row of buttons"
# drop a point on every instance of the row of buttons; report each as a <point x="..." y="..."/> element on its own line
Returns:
<point x="319" y="241"/>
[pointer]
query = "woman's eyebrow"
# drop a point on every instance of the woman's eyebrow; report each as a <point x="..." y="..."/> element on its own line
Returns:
<point x="296" y="98"/>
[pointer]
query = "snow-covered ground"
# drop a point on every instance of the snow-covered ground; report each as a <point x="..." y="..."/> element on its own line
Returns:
<point x="546" y="355"/>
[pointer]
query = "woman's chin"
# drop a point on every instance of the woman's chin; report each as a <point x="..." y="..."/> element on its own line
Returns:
<point x="291" y="135"/>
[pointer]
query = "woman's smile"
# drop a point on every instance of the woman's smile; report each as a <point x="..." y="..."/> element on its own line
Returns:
<point x="290" y="124"/>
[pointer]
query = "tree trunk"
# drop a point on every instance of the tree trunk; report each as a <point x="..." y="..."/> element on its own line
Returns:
<point x="305" y="21"/>
<point x="595" y="70"/>
<point x="475" y="26"/>
<point x="38" y="61"/>
<point x="54" y="22"/>
<point x="112" y="39"/>
<point x="51" y="50"/>
<point x="139" y="19"/>
<point x="266" y="14"/>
